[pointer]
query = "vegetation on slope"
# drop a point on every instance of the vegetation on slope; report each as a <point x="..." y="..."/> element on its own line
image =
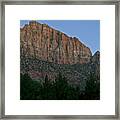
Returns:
<point x="59" y="89"/>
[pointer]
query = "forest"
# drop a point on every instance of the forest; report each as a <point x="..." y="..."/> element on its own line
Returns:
<point x="59" y="89"/>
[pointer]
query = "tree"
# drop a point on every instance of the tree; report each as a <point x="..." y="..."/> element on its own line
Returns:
<point x="57" y="90"/>
<point x="92" y="89"/>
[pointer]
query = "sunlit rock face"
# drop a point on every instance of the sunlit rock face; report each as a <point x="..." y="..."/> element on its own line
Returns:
<point x="45" y="43"/>
<point x="46" y="51"/>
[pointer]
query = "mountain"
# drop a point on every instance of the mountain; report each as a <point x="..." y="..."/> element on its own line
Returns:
<point x="45" y="43"/>
<point x="46" y="51"/>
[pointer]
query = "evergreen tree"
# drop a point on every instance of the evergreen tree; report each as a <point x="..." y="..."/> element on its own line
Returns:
<point x="92" y="90"/>
<point x="58" y="89"/>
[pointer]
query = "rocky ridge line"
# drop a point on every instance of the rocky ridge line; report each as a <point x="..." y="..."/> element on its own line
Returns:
<point x="45" y="43"/>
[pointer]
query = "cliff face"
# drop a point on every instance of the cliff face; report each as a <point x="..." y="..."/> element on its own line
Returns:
<point x="46" y="51"/>
<point x="45" y="43"/>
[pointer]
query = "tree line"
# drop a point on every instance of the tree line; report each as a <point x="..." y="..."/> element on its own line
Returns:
<point x="59" y="89"/>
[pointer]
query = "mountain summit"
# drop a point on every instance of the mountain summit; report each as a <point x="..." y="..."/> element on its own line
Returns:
<point x="45" y="51"/>
<point x="45" y="43"/>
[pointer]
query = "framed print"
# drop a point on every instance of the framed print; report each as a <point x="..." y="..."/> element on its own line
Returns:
<point x="60" y="59"/>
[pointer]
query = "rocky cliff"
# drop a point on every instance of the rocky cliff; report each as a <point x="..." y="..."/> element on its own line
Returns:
<point x="46" y="51"/>
<point x="45" y="43"/>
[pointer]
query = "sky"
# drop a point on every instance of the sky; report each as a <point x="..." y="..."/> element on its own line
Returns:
<point x="87" y="31"/>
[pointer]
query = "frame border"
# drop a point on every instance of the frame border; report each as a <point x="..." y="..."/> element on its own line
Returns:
<point x="52" y="2"/>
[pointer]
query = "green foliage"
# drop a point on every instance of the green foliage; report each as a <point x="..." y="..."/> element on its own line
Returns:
<point x="56" y="90"/>
<point x="92" y="88"/>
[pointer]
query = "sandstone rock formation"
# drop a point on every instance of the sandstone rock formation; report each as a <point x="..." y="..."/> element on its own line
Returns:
<point x="45" y="43"/>
<point x="46" y="51"/>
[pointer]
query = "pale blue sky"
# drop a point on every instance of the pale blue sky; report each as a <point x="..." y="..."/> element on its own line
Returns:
<point x="88" y="31"/>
